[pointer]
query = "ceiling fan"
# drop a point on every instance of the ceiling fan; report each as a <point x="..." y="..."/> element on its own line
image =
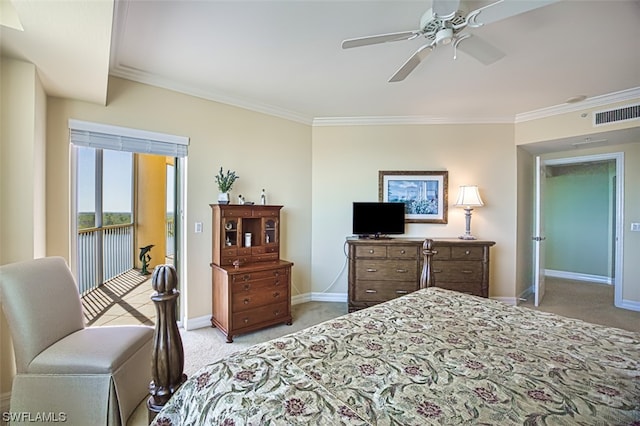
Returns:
<point x="443" y="24"/>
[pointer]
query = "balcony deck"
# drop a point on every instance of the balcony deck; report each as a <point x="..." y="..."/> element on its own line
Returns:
<point x="123" y="300"/>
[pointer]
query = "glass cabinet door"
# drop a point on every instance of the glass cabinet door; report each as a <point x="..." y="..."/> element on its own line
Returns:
<point x="270" y="231"/>
<point x="230" y="232"/>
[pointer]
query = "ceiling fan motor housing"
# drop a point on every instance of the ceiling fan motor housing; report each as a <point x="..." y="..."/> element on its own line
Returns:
<point x="433" y="26"/>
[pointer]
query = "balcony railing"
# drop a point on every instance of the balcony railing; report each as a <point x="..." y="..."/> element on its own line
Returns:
<point x="171" y="237"/>
<point x="111" y="246"/>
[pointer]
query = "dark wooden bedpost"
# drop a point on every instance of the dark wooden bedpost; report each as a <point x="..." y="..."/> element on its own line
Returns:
<point x="426" y="279"/>
<point x="167" y="360"/>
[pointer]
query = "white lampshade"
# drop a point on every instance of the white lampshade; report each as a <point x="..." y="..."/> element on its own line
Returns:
<point x="468" y="196"/>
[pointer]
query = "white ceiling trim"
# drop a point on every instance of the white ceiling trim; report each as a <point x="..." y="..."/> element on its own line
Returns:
<point x="373" y="121"/>
<point x="225" y="98"/>
<point x="594" y="102"/>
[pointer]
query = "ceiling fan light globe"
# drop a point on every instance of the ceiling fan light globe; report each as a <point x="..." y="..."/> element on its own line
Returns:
<point x="444" y="36"/>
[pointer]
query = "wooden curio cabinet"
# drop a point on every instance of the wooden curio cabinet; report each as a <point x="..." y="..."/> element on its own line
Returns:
<point x="251" y="285"/>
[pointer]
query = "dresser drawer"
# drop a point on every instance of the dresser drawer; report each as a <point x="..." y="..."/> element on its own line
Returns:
<point x="235" y="212"/>
<point x="228" y="260"/>
<point x="371" y="251"/>
<point x="462" y="287"/>
<point x="457" y="271"/>
<point x="380" y="291"/>
<point x="247" y="300"/>
<point x="441" y="253"/>
<point x="467" y="253"/>
<point x="259" y="315"/>
<point x="402" y="252"/>
<point x="400" y="270"/>
<point x="259" y="275"/>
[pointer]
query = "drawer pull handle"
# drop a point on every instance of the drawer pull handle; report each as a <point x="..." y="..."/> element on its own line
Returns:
<point x="434" y="251"/>
<point x="402" y="292"/>
<point x="246" y="301"/>
<point x="370" y="291"/>
<point x="276" y="294"/>
<point x="402" y="271"/>
<point x="467" y="252"/>
<point x="402" y="252"/>
<point x="276" y="313"/>
<point x="372" y="270"/>
<point x="437" y="271"/>
<point x="246" y="320"/>
<point x="466" y="271"/>
<point x="246" y="277"/>
<point x="277" y="273"/>
<point x="247" y="287"/>
<point x="371" y="251"/>
<point x="276" y="282"/>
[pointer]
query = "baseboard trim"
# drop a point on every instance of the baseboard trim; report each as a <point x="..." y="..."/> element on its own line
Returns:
<point x="329" y="297"/>
<point x="577" y="276"/>
<point x="631" y="305"/>
<point x="205" y="320"/>
<point x="507" y="300"/>
<point x="198" y="322"/>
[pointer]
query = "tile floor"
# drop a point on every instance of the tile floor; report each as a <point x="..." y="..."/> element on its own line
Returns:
<point x="124" y="300"/>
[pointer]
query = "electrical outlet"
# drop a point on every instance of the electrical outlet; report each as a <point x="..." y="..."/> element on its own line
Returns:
<point x="198" y="227"/>
<point x="635" y="226"/>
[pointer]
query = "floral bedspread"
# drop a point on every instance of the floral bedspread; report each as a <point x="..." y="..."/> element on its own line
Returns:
<point x="431" y="357"/>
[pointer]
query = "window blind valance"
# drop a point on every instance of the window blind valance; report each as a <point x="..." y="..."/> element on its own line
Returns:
<point x="95" y="135"/>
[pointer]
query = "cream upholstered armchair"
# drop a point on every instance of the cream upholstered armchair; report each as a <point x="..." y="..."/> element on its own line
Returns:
<point x="94" y="375"/>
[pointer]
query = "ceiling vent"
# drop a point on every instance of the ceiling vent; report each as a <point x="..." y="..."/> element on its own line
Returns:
<point x="631" y="112"/>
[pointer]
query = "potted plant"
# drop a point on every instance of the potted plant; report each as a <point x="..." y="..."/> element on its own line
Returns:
<point x="225" y="182"/>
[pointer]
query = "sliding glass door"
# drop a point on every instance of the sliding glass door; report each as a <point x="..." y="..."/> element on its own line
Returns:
<point x="105" y="215"/>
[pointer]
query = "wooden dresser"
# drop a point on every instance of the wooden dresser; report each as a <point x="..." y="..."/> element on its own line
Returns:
<point x="380" y="270"/>
<point x="460" y="265"/>
<point x="251" y="285"/>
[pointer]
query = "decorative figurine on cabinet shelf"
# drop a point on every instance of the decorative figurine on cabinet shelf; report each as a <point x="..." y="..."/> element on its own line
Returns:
<point x="263" y="198"/>
<point x="240" y="199"/>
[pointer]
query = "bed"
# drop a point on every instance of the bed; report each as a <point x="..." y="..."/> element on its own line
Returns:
<point x="431" y="357"/>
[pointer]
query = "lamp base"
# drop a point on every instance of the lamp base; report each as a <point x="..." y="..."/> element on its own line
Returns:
<point x="467" y="237"/>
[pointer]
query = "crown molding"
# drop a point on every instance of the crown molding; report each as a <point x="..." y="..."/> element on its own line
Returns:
<point x="144" y="77"/>
<point x="405" y="120"/>
<point x="225" y="98"/>
<point x="594" y="102"/>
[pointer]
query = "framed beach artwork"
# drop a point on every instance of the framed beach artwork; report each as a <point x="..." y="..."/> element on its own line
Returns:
<point x="423" y="193"/>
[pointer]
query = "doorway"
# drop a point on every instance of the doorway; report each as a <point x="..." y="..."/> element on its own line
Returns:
<point x="605" y="263"/>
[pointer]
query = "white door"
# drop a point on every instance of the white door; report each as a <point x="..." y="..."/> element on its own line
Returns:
<point x="538" y="233"/>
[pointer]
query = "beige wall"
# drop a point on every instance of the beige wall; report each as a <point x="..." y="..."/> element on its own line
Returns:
<point x="265" y="151"/>
<point x="22" y="184"/>
<point x="346" y="161"/>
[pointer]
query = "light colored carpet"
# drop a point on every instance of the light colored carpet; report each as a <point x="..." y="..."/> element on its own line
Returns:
<point x="206" y="345"/>
<point x="586" y="301"/>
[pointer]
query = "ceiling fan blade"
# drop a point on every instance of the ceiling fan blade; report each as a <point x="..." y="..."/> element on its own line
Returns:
<point x="480" y="49"/>
<point x="377" y="39"/>
<point x="445" y="9"/>
<point x="503" y="9"/>
<point x="412" y="63"/>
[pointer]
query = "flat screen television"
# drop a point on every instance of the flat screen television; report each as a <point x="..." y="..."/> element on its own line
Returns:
<point x="375" y="220"/>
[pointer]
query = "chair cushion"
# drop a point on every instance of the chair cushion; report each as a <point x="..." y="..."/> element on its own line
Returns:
<point x="92" y="350"/>
<point x="41" y="302"/>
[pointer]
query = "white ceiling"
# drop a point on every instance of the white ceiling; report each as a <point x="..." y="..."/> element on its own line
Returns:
<point x="284" y="57"/>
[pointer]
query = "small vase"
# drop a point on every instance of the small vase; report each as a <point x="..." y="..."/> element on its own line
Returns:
<point x="223" y="198"/>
